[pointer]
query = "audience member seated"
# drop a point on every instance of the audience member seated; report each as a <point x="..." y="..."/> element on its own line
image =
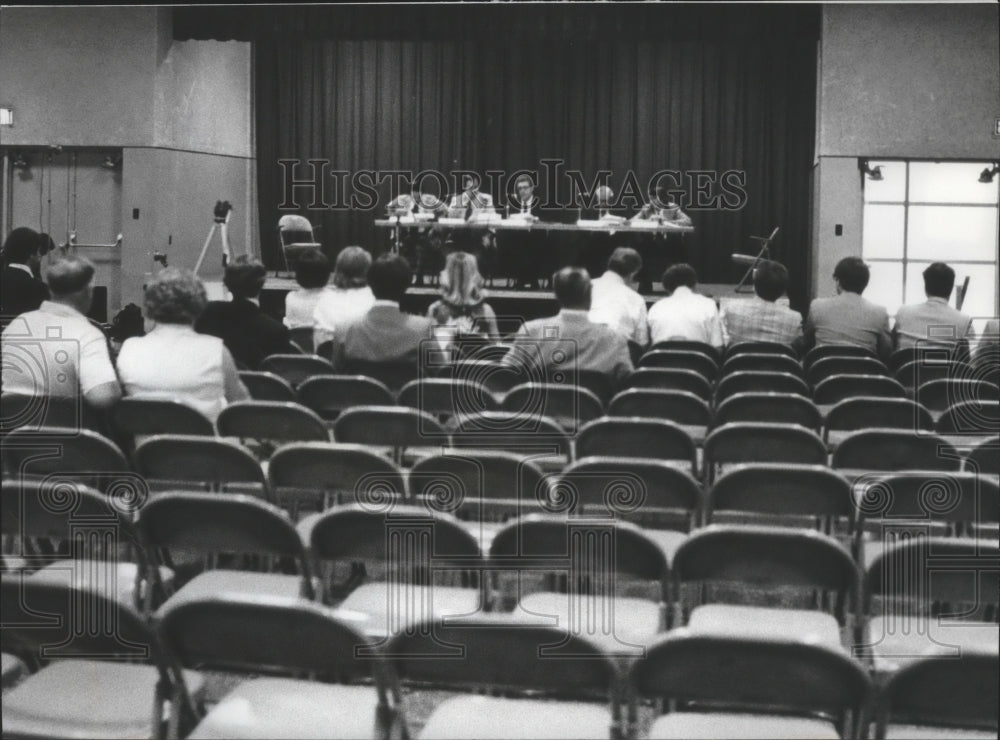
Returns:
<point x="348" y="300"/>
<point x="933" y="322"/>
<point x="55" y="350"/>
<point x="249" y="333"/>
<point x="21" y="290"/>
<point x="569" y="340"/>
<point x="615" y="302"/>
<point x="384" y="333"/>
<point x="684" y="314"/>
<point x="847" y="318"/>
<point x="461" y="311"/>
<point x="174" y="361"/>
<point x="312" y="272"/>
<point x="762" y="319"/>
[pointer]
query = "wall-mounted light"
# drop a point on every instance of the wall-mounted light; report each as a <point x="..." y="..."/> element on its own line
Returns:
<point x="986" y="176"/>
<point x="112" y="163"/>
<point x="872" y="173"/>
<point x="6" y="115"/>
<point x="20" y="162"/>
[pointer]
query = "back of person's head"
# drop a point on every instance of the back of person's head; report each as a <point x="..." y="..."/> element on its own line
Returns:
<point x="351" y="268"/>
<point x="244" y="277"/>
<point x="175" y="296"/>
<point x="70" y="278"/>
<point x="939" y="280"/>
<point x="21" y="245"/>
<point x="389" y="277"/>
<point x="312" y="269"/>
<point x="572" y="288"/>
<point x="679" y="275"/>
<point x="625" y="261"/>
<point x="461" y="282"/>
<point x="852" y="274"/>
<point x="770" y="280"/>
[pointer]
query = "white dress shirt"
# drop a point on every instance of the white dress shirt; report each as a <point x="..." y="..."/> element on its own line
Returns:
<point x="300" y="306"/>
<point x="338" y="308"/>
<point x="618" y="306"/>
<point x="686" y="315"/>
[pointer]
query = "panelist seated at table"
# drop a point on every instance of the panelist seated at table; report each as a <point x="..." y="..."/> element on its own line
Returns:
<point x="525" y="207"/>
<point x="661" y="208"/>
<point x="471" y="202"/>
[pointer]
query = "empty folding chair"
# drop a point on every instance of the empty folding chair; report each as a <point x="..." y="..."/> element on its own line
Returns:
<point x="834" y="350"/>
<point x="751" y="688"/>
<point x="393" y="374"/>
<point x="971" y="418"/>
<point x="938" y="395"/>
<point x="744" y="442"/>
<point x="928" y="353"/>
<point x="295" y="658"/>
<point x="447" y="396"/>
<point x="267" y="386"/>
<point x="430" y="562"/>
<point x="22" y="410"/>
<point x="836" y="388"/>
<point x="145" y="416"/>
<point x="554" y="684"/>
<point x="984" y="457"/>
<point x="262" y="424"/>
<point x="540" y="437"/>
<point x="670" y="380"/>
<point x="827" y="367"/>
<point x="636" y="437"/>
<point x="676" y="359"/>
<point x="597" y="382"/>
<point x="942" y="696"/>
<point x="210" y="525"/>
<point x="496" y="377"/>
<point x="755" y="382"/>
<point x="870" y="412"/>
<point x="173" y="461"/>
<point x="759" y="348"/>
<point x="682" y="408"/>
<point x="320" y="474"/>
<point x="390" y="426"/>
<point x="930" y="596"/>
<point x="813" y="575"/>
<point x="894" y="449"/>
<point x="107" y="673"/>
<point x="297" y="368"/>
<point x="778" y="408"/>
<point x="915" y="374"/>
<point x="765" y="362"/>
<point x="328" y="395"/>
<point x="603" y="565"/>
<point x="302" y="337"/>
<point x="570" y="405"/>
<point x="689" y="346"/>
<point x="68" y="454"/>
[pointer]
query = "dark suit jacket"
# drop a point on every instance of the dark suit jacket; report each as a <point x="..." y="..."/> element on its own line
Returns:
<point x="383" y="334"/>
<point x="20" y="293"/>
<point x="249" y="334"/>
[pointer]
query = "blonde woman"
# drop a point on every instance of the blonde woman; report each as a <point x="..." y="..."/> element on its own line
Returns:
<point x="461" y="309"/>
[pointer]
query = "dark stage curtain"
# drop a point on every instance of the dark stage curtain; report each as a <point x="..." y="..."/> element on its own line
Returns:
<point x="720" y="89"/>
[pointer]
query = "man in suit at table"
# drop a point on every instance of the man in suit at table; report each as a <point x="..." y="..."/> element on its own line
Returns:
<point x="847" y="318"/>
<point x="569" y="340"/>
<point x="384" y="333"/>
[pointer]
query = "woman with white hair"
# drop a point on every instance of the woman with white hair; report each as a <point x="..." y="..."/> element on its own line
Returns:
<point x="348" y="299"/>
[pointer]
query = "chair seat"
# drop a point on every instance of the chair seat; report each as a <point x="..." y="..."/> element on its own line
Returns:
<point x="284" y="707"/>
<point x="490" y="718"/>
<point x="13" y="670"/>
<point x="724" y="725"/>
<point x="635" y="621"/>
<point x="213" y="582"/>
<point x="920" y="732"/>
<point x="87" y="698"/>
<point x="766" y="623"/>
<point x="119" y="579"/>
<point x="668" y="540"/>
<point x="898" y="640"/>
<point x="373" y="601"/>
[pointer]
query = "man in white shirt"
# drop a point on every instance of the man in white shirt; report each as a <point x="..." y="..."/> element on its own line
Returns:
<point x="614" y="300"/>
<point x="55" y="351"/>
<point x="684" y="314"/>
<point x="933" y="322"/>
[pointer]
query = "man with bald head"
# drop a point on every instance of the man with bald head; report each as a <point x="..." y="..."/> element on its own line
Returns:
<point x="569" y="340"/>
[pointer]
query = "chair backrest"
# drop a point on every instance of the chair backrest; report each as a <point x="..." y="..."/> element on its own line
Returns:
<point x="328" y="395"/>
<point x="670" y="380"/>
<point x="570" y="405"/>
<point x="159" y="416"/>
<point x="744" y="442"/>
<point x="636" y="437"/>
<point x="760" y="348"/>
<point x="496" y="377"/>
<point x="928" y="353"/>
<point x="779" y="408"/>
<point x="326" y="473"/>
<point x="688" y="346"/>
<point x="895" y="449"/>
<point x="23" y="410"/>
<point x="916" y="373"/>
<point x="834" y="350"/>
<point x="271" y="420"/>
<point x="678" y="359"/>
<point x="393" y="374"/>
<point x="679" y="407"/>
<point x="836" y="388"/>
<point x="292" y="223"/>
<point x="839" y="365"/>
<point x="493" y="650"/>
<point x="597" y="382"/>
<point x="517" y="433"/>
<point x="389" y="426"/>
<point x="929" y="496"/>
<point x="938" y="395"/>
<point x="267" y="386"/>
<point x="447" y="396"/>
<point x="984" y="457"/>
<point x="216" y="463"/>
<point x="728" y="671"/>
<point x="302" y="336"/>
<point x="80" y="454"/>
<point x="949" y="691"/>
<point x="749" y="381"/>
<point x="763" y="362"/>
<point x="970" y="417"/>
<point x="785" y="489"/>
<point x="868" y="412"/>
<point x="297" y="368"/>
